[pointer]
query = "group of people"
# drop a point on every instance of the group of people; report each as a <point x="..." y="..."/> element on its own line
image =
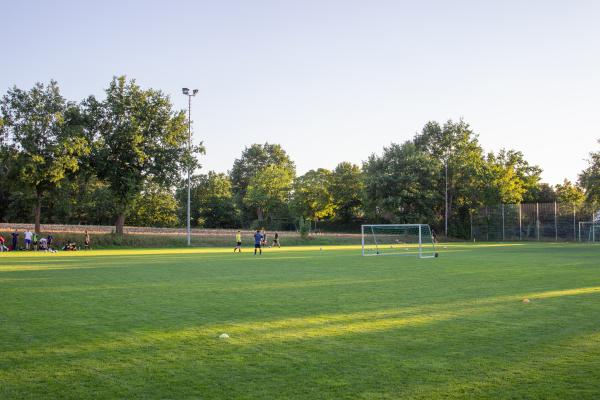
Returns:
<point x="260" y="241"/>
<point x="34" y="241"/>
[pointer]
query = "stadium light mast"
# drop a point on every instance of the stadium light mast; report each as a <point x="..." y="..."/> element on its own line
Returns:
<point x="187" y="93"/>
<point x="446" y="196"/>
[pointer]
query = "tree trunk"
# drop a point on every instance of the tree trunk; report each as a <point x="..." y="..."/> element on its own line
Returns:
<point x="259" y="214"/>
<point x="119" y="224"/>
<point x="38" y="213"/>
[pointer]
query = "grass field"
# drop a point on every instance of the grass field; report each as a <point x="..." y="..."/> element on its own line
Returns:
<point x="303" y="323"/>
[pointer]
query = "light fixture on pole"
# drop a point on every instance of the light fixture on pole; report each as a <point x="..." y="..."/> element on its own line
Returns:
<point x="187" y="93"/>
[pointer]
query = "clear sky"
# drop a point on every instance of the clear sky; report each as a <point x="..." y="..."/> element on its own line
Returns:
<point x="332" y="80"/>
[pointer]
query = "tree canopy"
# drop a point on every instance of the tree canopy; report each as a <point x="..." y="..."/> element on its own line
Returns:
<point x="312" y="195"/>
<point x="46" y="144"/>
<point x="138" y="139"/>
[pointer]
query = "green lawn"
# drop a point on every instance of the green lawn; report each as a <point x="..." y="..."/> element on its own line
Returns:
<point x="303" y="324"/>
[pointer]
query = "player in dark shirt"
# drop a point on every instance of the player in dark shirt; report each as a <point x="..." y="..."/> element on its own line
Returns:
<point x="257" y="241"/>
<point x="15" y="240"/>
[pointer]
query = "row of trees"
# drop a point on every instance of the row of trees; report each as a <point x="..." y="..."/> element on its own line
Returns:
<point x="123" y="158"/>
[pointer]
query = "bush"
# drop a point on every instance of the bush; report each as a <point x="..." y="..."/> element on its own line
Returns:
<point x="304" y="228"/>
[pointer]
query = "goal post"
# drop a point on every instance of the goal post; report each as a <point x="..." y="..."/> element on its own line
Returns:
<point x="589" y="231"/>
<point x="398" y="239"/>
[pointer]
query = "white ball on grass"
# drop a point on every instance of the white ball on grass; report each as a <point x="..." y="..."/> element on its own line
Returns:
<point x="223" y="336"/>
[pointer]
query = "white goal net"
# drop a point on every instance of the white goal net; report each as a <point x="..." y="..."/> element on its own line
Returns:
<point x="589" y="232"/>
<point x="399" y="239"/>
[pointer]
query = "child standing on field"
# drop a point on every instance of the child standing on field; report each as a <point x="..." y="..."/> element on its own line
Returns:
<point x="238" y="241"/>
<point x="87" y="242"/>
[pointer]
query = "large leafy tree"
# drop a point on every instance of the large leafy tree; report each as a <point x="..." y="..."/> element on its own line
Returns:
<point x="589" y="179"/>
<point x="401" y="185"/>
<point x="569" y="193"/>
<point x="508" y="177"/>
<point x="212" y="204"/>
<point x="529" y="175"/>
<point x="7" y="157"/>
<point x="253" y="160"/>
<point x="312" y="196"/>
<point x="346" y="188"/>
<point x="456" y="146"/>
<point x="44" y="130"/>
<point x="269" y="190"/>
<point x="155" y="206"/>
<point x="139" y="139"/>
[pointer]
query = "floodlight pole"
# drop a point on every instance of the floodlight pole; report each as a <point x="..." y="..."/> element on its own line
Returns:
<point x="187" y="93"/>
<point x="446" y="197"/>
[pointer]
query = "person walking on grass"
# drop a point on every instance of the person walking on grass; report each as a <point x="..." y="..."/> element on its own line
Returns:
<point x="257" y="242"/>
<point x="276" y="240"/>
<point x="238" y="241"/>
<point x="34" y="239"/>
<point x="87" y="241"/>
<point x="15" y="240"/>
<point x="28" y="237"/>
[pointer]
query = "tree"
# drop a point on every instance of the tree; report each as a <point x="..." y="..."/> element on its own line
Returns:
<point x="138" y="139"/>
<point x="346" y="189"/>
<point x="44" y="131"/>
<point x="529" y="175"/>
<point x="312" y="197"/>
<point x="542" y="193"/>
<point x="455" y="146"/>
<point x="569" y="193"/>
<point x="212" y="204"/>
<point x="589" y="179"/>
<point x="6" y="162"/>
<point x="269" y="190"/>
<point x="254" y="159"/>
<point x="155" y="206"/>
<point x="401" y="186"/>
<point x="508" y="177"/>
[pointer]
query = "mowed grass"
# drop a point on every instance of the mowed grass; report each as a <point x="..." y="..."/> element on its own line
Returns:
<point x="303" y="324"/>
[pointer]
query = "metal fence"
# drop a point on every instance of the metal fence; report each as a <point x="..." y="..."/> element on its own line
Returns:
<point x="533" y="221"/>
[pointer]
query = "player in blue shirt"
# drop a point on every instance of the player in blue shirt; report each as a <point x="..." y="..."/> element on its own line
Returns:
<point x="257" y="240"/>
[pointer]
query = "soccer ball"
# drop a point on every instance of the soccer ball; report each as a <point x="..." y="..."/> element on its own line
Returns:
<point x="526" y="301"/>
<point x="223" y="336"/>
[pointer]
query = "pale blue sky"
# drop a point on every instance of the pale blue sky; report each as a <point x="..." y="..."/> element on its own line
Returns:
<point x="332" y="80"/>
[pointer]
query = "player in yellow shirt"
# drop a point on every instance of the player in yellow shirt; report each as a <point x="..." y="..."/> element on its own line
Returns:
<point x="238" y="239"/>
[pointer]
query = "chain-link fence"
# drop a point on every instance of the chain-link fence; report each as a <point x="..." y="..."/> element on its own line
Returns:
<point x="534" y="221"/>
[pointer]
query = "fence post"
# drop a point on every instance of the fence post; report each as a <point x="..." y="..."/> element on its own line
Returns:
<point x="574" y="223"/>
<point x="555" y="222"/>
<point x="503" y="237"/>
<point x="520" y="224"/>
<point x="487" y="222"/>
<point x="594" y="227"/>
<point x="537" y="219"/>
<point x="471" y="220"/>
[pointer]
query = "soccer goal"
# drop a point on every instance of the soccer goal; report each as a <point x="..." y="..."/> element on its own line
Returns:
<point x="589" y="231"/>
<point x="399" y="239"/>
